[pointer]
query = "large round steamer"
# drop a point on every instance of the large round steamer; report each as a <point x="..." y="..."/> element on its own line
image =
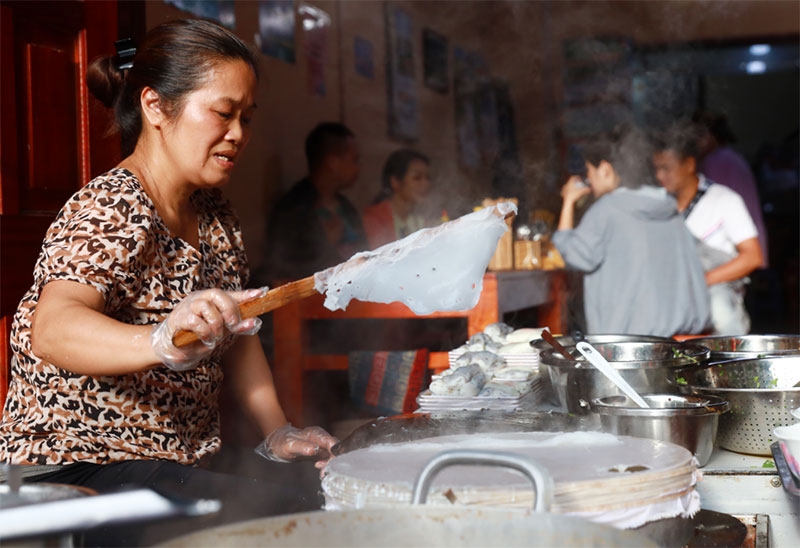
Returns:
<point x="630" y="483"/>
<point x="762" y="393"/>
<point x="415" y="526"/>
<point x="644" y="365"/>
<point x="725" y="348"/>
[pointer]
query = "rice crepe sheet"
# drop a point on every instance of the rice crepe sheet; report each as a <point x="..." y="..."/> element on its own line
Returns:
<point x="433" y="269"/>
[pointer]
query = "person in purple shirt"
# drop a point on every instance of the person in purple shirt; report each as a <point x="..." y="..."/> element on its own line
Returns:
<point x="723" y="165"/>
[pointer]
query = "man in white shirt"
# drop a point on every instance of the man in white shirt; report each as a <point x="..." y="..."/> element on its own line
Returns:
<point x="718" y="218"/>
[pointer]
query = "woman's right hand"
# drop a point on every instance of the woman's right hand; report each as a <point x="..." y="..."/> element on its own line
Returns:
<point x="212" y="315"/>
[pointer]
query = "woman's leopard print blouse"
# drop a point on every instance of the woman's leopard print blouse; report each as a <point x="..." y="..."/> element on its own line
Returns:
<point x="110" y="237"/>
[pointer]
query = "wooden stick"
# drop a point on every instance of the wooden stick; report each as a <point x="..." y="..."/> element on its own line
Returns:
<point x="557" y="345"/>
<point x="275" y="298"/>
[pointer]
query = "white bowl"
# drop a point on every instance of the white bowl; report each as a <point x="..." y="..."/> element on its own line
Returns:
<point x="790" y="436"/>
<point x="796" y="413"/>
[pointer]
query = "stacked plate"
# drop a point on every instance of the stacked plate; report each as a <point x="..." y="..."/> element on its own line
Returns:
<point x="532" y="393"/>
<point x="524" y="361"/>
<point x="619" y="480"/>
<point x="529" y="360"/>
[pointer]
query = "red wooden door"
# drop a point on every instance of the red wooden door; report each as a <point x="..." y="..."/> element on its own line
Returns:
<point x="52" y="135"/>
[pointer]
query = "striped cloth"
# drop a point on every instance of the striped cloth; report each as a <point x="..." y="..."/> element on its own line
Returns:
<point x="387" y="383"/>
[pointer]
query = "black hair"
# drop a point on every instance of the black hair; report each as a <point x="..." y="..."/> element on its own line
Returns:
<point x="628" y="149"/>
<point x="716" y="124"/>
<point x="397" y="166"/>
<point x="681" y="137"/>
<point x="174" y="60"/>
<point x="326" y="138"/>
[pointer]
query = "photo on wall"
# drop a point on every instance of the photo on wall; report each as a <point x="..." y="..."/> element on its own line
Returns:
<point x="315" y="23"/>
<point x="276" y="23"/>
<point x="400" y="77"/>
<point x="221" y="11"/>
<point x="364" y="55"/>
<point x="469" y="71"/>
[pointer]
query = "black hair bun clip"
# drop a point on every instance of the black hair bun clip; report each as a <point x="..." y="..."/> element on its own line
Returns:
<point x="126" y="50"/>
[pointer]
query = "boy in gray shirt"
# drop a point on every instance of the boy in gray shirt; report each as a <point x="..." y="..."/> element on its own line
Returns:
<point x="642" y="274"/>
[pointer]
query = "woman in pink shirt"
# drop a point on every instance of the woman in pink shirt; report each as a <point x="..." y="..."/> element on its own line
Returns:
<point x="397" y="211"/>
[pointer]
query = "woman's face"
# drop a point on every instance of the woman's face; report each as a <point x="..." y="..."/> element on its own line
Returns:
<point x="206" y="139"/>
<point x="414" y="185"/>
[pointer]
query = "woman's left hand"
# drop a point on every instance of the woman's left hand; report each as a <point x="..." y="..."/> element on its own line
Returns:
<point x="288" y="443"/>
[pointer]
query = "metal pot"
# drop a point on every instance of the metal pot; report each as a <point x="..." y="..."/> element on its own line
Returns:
<point x="541" y="345"/>
<point x="749" y="346"/>
<point x="690" y="421"/>
<point x="644" y="365"/>
<point x="16" y="500"/>
<point x="70" y="509"/>
<point x="33" y="493"/>
<point x="418" y="525"/>
<point x="565" y="340"/>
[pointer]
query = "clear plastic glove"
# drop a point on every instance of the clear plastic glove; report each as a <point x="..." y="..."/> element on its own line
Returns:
<point x="212" y="315"/>
<point x="288" y="443"/>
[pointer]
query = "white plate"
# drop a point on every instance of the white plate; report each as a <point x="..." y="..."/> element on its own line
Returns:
<point x="796" y="413"/>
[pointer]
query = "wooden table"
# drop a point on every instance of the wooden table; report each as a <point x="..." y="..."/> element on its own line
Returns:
<point x="502" y="292"/>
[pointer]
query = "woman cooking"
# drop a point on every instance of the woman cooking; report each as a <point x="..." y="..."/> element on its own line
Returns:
<point x="99" y="395"/>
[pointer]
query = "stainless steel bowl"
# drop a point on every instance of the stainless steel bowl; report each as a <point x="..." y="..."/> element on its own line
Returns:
<point x="724" y="348"/>
<point x="762" y="393"/>
<point x="690" y="421"/>
<point x="644" y="365"/>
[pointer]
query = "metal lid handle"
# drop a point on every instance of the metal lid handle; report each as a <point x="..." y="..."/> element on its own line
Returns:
<point x="540" y="478"/>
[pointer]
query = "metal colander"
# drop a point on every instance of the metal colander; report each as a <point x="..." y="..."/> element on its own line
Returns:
<point x="762" y="393"/>
<point x="724" y="348"/>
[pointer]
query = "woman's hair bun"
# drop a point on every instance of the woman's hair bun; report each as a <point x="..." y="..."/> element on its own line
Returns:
<point x="104" y="80"/>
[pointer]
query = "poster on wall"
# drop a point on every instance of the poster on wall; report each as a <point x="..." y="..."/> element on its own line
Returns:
<point x="486" y="109"/>
<point x="364" y="57"/>
<point x="435" y="52"/>
<point x="467" y="132"/>
<point x="276" y="29"/>
<point x="506" y="126"/>
<point x="221" y="11"/>
<point x="507" y="175"/>
<point x="315" y="28"/>
<point x="400" y="79"/>
<point x="469" y="70"/>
